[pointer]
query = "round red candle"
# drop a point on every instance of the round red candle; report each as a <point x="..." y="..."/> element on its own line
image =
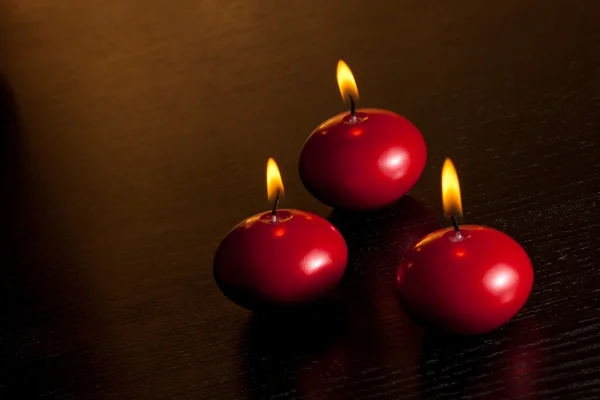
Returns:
<point x="280" y="258"/>
<point x="363" y="159"/>
<point x="465" y="280"/>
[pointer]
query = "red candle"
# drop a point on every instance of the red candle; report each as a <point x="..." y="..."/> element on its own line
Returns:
<point x="465" y="280"/>
<point x="363" y="159"/>
<point x="279" y="257"/>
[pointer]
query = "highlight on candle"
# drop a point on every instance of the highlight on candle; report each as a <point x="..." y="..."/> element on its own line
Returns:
<point x="346" y="82"/>
<point x="451" y="190"/>
<point x="274" y="181"/>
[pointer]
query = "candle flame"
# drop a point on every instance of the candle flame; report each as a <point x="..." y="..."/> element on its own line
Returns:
<point x="274" y="181"/>
<point x="346" y="82"/>
<point x="451" y="190"/>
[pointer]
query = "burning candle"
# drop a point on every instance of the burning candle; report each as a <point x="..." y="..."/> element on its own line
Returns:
<point x="467" y="279"/>
<point x="279" y="257"/>
<point x="362" y="159"/>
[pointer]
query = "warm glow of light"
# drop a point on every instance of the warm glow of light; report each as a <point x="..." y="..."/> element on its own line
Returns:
<point x="346" y="82"/>
<point x="274" y="182"/>
<point x="279" y="232"/>
<point x="451" y="190"/>
<point x="459" y="253"/>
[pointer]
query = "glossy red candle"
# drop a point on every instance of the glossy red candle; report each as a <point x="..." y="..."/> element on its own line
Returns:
<point x="293" y="260"/>
<point x="468" y="286"/>
<point x="362" y="163"/>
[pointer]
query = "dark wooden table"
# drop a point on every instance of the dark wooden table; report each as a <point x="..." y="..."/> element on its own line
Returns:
<point x="135" y="134"/>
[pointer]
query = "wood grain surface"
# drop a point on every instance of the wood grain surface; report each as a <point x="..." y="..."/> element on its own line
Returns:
<point x="134" y="136"/>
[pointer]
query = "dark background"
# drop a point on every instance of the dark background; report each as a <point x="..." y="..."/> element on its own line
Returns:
<point x="135" y="135"/>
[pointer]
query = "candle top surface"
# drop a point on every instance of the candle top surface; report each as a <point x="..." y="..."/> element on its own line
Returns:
<point x="469" y="233"/>
<point x="374" y="117"/>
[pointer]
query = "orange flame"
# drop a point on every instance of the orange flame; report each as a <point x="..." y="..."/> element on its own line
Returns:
<point x="274" y="181"/>
<point x="346" y="82"/>
<point x="451" y="190"/>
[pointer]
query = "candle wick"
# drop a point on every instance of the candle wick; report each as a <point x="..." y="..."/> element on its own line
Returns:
<point x="352" y="106"/>
<point x="454" y="223"/>
<point x="456" y="228"/>
<point x="275" y="206"/>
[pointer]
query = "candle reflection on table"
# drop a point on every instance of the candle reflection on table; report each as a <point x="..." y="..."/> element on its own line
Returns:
<point x="347" y="337"/>
<point x="461" y="366"/>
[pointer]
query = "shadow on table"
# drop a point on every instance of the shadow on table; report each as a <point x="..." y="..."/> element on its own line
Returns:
<point x="385" y="342"/>
<point x="45" y="316"/>
<point x="383" y="235"/>
<point x="10" y="124"/>
<point x="341" y="344"/>
<point x="281" y="345"/>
